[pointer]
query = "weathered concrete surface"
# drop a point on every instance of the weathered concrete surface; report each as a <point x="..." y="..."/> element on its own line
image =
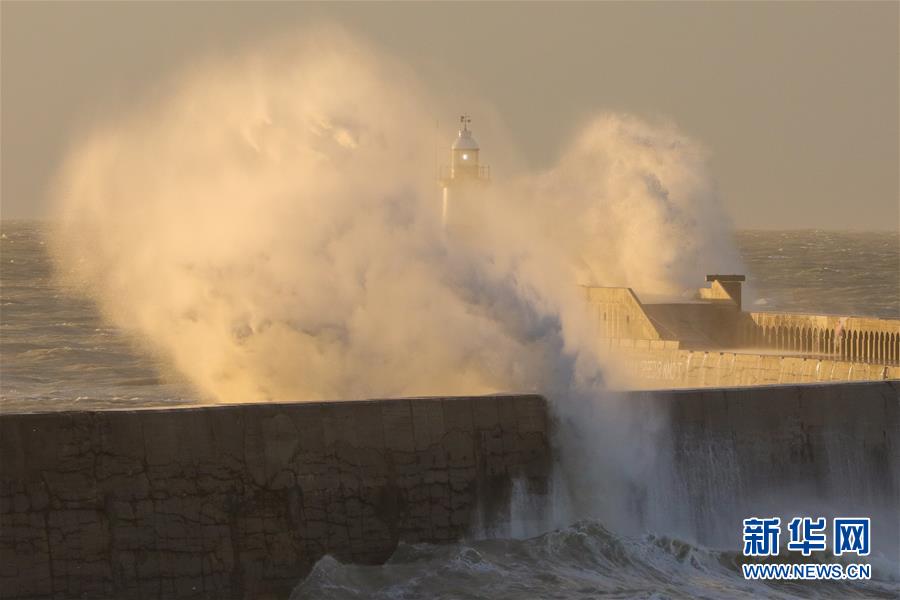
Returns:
<point x="620" y="314"/>
<point x="652" y="364"/>
<point x="800" y="450"/>
<point x="713" y="322"/>
<point x="240" y="501"/>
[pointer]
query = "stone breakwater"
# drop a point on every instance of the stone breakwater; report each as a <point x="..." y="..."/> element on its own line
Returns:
<point x="240" y="501"/>
<point x="654" y="364"/>
<point x="829" y="449"/>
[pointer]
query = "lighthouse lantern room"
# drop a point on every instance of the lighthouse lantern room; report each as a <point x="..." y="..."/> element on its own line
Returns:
<point x="464" y="165"/>
<point x="464" y="152"/>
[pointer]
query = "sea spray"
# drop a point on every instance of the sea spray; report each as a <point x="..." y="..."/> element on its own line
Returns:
<point x="269" y="228"/>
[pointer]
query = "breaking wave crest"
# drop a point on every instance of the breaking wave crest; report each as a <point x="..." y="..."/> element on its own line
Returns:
<point x="584" y="560"/>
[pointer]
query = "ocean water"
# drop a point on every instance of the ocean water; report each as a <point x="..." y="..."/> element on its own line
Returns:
<point x="57" y="351"/>
<point x="823" y="272"/>
<point x="582" y="561"/>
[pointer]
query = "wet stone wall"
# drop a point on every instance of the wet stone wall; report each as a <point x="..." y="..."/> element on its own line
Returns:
<point x="240" y="501"/>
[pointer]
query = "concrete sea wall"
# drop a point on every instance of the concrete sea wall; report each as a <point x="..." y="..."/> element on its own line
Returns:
<point x="653" y="364"/>
<point x="795" y="450"/>
<point x="240" y="501"/>
<point x="619" y="314"/>
<point x="719" y="323"/>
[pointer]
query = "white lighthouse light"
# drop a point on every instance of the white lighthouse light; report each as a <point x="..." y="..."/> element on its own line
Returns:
<point x="464" y="153"/>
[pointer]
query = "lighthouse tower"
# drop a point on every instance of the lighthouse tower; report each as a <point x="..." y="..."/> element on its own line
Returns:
<point x="460" y="182"/>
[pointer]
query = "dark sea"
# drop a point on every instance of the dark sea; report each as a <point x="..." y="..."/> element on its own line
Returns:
<point x="822" y="272"/>
<point x="583" y="561"/>
<point x="56" y="352"/>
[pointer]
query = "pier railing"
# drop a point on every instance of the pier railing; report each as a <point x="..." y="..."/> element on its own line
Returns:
<point x="855" y="339"/>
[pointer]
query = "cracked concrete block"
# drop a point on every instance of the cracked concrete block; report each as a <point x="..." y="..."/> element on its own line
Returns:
<point x="459" y="447"/>
<point x="485" y="413"/>
<point x="428" y="422"/>
<point x="338" y="426"/>
<point x="368" y="426"/>
<point x="531" y="414"/>
<point x="160" y="438"/>
<point x="396" y="418"/>
<point x="236" y="499"/>
<point x="280" y="435"/>
<point x="457" y="414"/>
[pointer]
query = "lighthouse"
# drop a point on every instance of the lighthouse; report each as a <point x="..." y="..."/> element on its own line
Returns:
<point x="461" y="181"/>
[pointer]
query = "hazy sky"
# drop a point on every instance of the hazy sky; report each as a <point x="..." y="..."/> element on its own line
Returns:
<point x="798" y="103"/>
